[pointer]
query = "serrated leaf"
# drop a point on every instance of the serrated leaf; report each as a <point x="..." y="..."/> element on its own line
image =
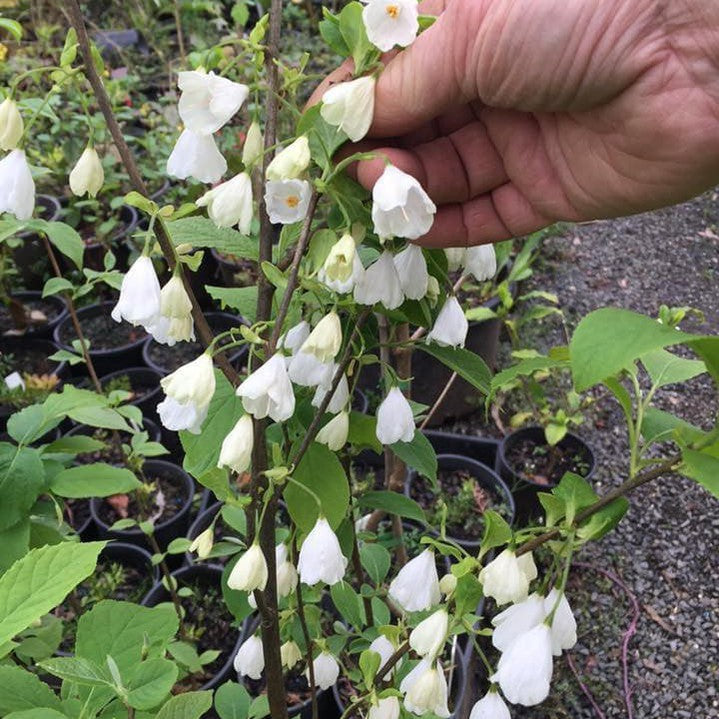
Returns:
<point x="22" y="478"/>
<point x="20" y="689"/>
<point x="77" y="670"/>
<point x="202" y="232"/>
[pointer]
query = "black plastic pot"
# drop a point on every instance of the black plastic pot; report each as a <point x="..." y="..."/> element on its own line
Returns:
<point x="130" y="555"/>
<point x="524" y="490"/>
<point x="211" y="576"/>
<point x="486" y="477"/>
<point x="87" y="529"/>
<point x="229" y="271"/>
<point x="45" y="331"/>
<point x="105" y="361"/>
<point x="140" y="377"/>
<point x="481" y="449"/>
<point x="165" y="532"/>
<point x="360" y="403"/>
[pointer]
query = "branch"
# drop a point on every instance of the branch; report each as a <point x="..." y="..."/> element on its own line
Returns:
<point x="308" y="640"/>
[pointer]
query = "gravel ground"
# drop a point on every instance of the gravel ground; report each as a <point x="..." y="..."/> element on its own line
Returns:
<point x="665" y="549"/>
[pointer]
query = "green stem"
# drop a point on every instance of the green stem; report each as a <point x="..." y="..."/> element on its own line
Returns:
<point x="565" y="578"/>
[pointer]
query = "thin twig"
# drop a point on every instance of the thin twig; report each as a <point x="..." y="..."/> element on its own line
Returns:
<point x="438" y="402"/>
<point x="585" y="689"/>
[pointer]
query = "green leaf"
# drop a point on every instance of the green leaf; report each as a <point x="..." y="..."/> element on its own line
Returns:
<point x="94" y="480"/>
<point x="603" y="521"/>
<point x="480" y="314"/>
<point x="322" y="472"/>
<point x="30" y="424"/>
<point x="232" y="701"/>
<point x="12" y="26"/>
<point x="259" y="708"/>
<point x="37" y="714"/>
<point x="20" y="689"/>
<point x="418" y="455"/>
<point x="363" y="432"/>
<point x="274" y="275"/>
<point x="576" y="493"/>
<point x="202" y="232"/>
<point x="666" y="368"/>
<point x="393" y="503"/>
<point x="103" y="417"/>
<point x="241" y="299"/>
<point x="496" y="532"/>
<point x="22" y="478"/>
<point x="330" y="31"/>
<point x="353" y="32"/>
<point x="77" y="670"/>
<point x="65" y="238"/>
<point x="524" y="368"/>
<point x="151" y="683"/>
<point x="324" y="139"/>
<point x="40" y="581"/>
<point x="369" y="663"/>
<point x="376" y="560"/>
<point x="661" y="426"/>
<point x="467" y="594"/>
<point x="348" y="604"/>
<point x="703" y="468"/>
<point x="55" y="285"/>
<point x="75" y="444"/>
<point x="191" y="705"/>
<point x="466" y="364"/>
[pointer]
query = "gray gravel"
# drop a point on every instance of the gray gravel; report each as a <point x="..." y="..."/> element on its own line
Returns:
<point x="665" y="549"/>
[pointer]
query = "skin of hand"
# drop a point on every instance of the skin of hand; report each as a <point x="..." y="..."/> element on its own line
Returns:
<point x="514" y="114"/>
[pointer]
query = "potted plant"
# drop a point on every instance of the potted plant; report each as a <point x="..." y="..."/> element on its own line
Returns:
<point x="141" y="383"/>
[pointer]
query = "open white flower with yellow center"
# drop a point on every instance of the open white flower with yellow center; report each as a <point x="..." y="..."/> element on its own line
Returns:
<point x="17" y="188"/>
<point x="87" y="176"/>
<point x="391" y="22"/>
<point x="400" y="206"/>
<point x="350" y="106"/>
<point x="11" y="124"/>
<point x="230" y="203"/>
<point x="287" y="200"/>
<point x="196" y="156"/>
<point x="208" y="101"/>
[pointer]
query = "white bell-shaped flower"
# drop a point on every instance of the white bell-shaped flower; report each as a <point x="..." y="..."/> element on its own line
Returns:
<point x="174" y="323"/>
<point x="385" y="649"/>
<point x="250" y="572"/>
<point x="425" y="689"/>
<point x="202" y="543"/>
<point x="564" y="625"/>
<point x="307" y="371"/>
<point x="455" y="257"/>
<point x="250" y="658"/>
<point x="350" y="106"/>
<point x="295" y="337"/>
<point x="380" y="283"/>
<point x="189" y="390"/>
<point x="385" y="708"/>
<point x="524" y="671"/>
<point x="395" y="422"/>
<point x="481" y="261"/>
<point x="140" y="299"/>
<point x="267" y="392"/>
<point x="236" y="450"/>
<point x="321" y="559"/>
<point x="290" y="163"/>
<point x="412" y="271"/>
<point x="391" y="22"/>
<point x="344" y="286"/>
<point x="506" y="578"/>
<point x="254" y="146"/>
<point x="427" y="638"/>
<point x="286" y="572"/>
<point x="290" y="654"/>
<point x="11" y="124"/>
<point x="339" y="263"/>
<point x="400" y="206"/>
<point x="516" y="620"/>
<point x="88" y="175"/>
<point x="341" y="397"/>
<point x="325" y="339"/>
<point x="490" y="706"/>
<point x="230" y="203"/>
<point x="196" y="156"/>
<point x="432" y="290"/>
<point x="208" y="101"/>
<point x="326" y="670"/>
<point x="416" y="586"/>
<point x="17" y="188"/>
<point x="451" y="326"/>
<point x="334" y="433"/>
<point x="287" y="200"/>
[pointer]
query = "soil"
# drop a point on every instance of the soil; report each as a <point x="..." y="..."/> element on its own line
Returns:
<point x="297" y="688"/>
<point x="103" y="333"/>
<point x="547" y="465"/>
<point x="366" y="477"/>
<point x="77" y="512"/>
<point x="29" y="360"/>
<point x="465" y="517"/>
<point x="112" y="451"/>
<point x="130" y="383"/>
<point x="244" y="272"/>
<point x="167" y="483"/>
<point x="39" y="306"/>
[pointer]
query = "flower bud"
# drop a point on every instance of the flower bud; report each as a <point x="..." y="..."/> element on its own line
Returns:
<point x="427" y="638"/>
<point x="250" y="572"/>
<point x="416" y="586"/>
<point x="87" y="176"/>
<point x="490" y="706"/>
<point x="334" y="433"/>
<point x="326" y="670"/>
<point x="395" y="422"/>
<point x="451" y="326"/>
<point x="425" y="689"/>
<point x="290" y="654"/>
<point x="350" y="106"/>
<point x="286" y="572"/>
<point x="448" y="584"/>
<point x="386" y="708"/>
<point x="254" y="146"/>
<point x="321" y="558"/>
<point x="291" y="162"/>
<point x="325" y="339"/>
<point x="11" y="125"/>
<point x="506" y="578"/>
<point x="236" y="451"/>
<point x="432" y="290"/>
<point x="17" y="188"/>
<point x="202" y="543"/>
<point x="250" y="658"/>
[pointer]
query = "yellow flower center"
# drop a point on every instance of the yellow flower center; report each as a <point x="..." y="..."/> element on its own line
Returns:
<point x="392" y="11"/>
<point x="292" y="201"/>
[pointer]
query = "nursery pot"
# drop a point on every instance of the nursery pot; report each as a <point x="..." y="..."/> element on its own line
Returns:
<point x="525" y="489"/>
<point x="94" y="257"/>
<point x="232" y="273"/>
<point x="128" y="353"/>
<point x="484" y="477"/>
<point x="165" y="531"/>
<point x="210" y="576"/>
<point x="143" y="380"/>
<point x="481" y="449"/>
<point x="52" y="306"/>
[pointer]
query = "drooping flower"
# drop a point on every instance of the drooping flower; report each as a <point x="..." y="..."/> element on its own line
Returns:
<point x="174" y="323"/>
<point x="432" y="290"/>
<point x="427" y="638"/>
<point x="140" y="300"/>
<point x="400" y="206"/>
<point x="196" y="156"/>
<point x="250" y="572"/>
<point x="380" y="283"/>
<point x="350" y="106"/>
<point x="447" y="584"/>
<point x="307" y="371"/>
<point x="17" y="188"/>
<point x="451" y="326"/>
<point x="385" y="649"/>
<point x="230" y="203"/>
<point x="391" y="22"/>
<point x="385" y="708"/>
<point x="11" y="124"/>
<point x="339" y="270"/>
<point x="455" y="257"/>
<point x="334" y="433"/>
<point x="395" y="422"/>
<point x="287" y="200"/>
<point x="341" y="396"/>
<point x="267" y="392"/>
<point x="325" y="339"/>
<point x="286" y="572"/>
<point x="506" y="578"/>
<point x="481" y="261"/>
<point x="516" y="620"/>
<point x="321" y="559"/>
<point x="290" y="163"/>
<point x="425" y="689"/>
<point x="250" y="658"/>
<point x="236" y="450"/>
<point x="208" y="101"/>
<point x="254" y="146"/>
<point x="87" y="176"/>
<point x="412" y="271"/>
<point x="490" y="706"/>
<point x="416" y="586"/>
<point x="326" y="670"/>
<point x="290" y="654"/>
<point x="294" y="338"/>
<point x="188" y="391"/>
<point x="202" y="543"/>
<point x="524" y="671"/>
<point x="564" y="625"/>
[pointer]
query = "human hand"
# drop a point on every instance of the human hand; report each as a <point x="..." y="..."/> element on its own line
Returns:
<point x="514" y="114"/>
